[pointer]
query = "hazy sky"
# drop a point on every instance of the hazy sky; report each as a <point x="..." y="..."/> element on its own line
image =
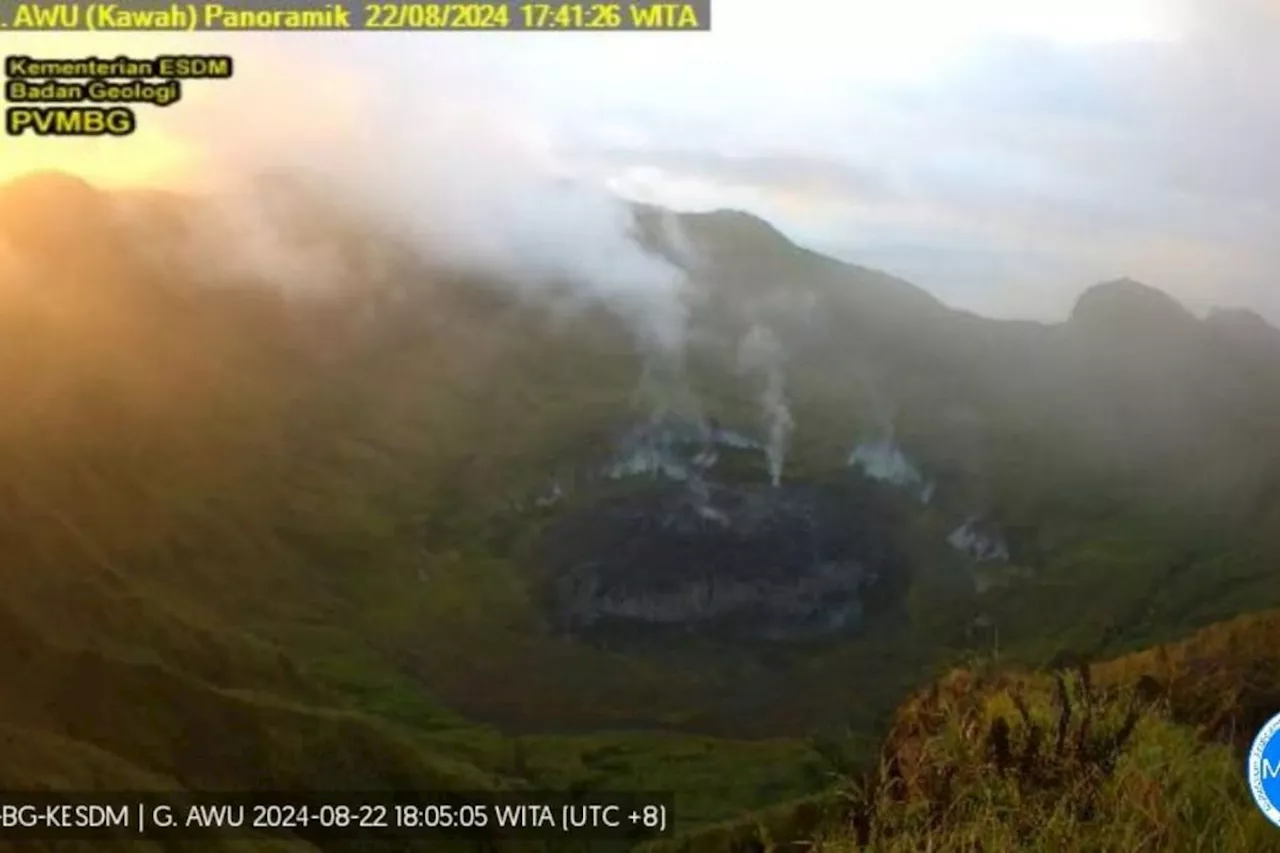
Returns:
<point x="1004" y="154"/>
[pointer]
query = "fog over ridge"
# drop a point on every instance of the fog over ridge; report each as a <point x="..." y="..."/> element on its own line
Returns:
<point x="1002" y="156"/>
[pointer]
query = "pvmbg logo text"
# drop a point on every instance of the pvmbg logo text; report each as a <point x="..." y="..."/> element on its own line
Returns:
<point x="1264" y="770"/>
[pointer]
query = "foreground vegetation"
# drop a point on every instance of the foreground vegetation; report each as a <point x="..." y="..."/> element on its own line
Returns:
<point x="1141" y="753"/>
<point x="249" y="544"/>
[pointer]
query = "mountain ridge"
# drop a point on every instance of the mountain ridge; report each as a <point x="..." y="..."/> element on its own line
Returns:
<point x="324" y="513"/>
<point x="52" y="191"/>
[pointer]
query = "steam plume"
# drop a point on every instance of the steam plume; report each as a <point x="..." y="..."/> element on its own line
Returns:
<point x="761" y="352"/>
<point x="464" y="180"/>
<point x="883" y="411"/>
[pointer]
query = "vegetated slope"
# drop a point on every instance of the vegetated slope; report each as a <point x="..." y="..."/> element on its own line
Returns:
<point x="1123" y="455"/>
<point x="311" y="521"/>
<point x="146" y="502"/>
<point x="204" y="493"/>
<point x="1145" y="753"/>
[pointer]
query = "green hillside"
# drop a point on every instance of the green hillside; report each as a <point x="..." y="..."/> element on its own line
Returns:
<point x="270" y="538"/>
<point x="1143" y="752"/>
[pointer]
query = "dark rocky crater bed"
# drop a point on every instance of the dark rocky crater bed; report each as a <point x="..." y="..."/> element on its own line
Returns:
<point x="740" y="560"/>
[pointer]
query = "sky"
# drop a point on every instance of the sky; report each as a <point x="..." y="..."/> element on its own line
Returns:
<point x="1002" y="154"/>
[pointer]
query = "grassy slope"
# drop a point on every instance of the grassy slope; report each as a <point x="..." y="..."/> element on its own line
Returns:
<point x="307" y="548"/>
<point x="228" y="548"/>
<point x="1141" y="753"/>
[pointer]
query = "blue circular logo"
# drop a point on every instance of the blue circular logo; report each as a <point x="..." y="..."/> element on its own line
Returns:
<point x="1264" y="770"/>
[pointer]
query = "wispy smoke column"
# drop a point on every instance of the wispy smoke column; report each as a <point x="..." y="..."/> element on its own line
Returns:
<point x="882" y="410"/>
<point x="464" y="175"/>
<point x="679" y="248"/>
<point x="663" y="394"/>
<point x="661" y="315"/>
<point x="761" y="352"/>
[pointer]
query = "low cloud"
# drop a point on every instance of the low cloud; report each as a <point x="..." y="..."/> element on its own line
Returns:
<point x="1004" y="156"/>
<point x="438" y="162"/>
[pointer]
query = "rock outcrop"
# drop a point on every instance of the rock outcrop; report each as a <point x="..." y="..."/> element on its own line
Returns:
<point x="750" y="560"/>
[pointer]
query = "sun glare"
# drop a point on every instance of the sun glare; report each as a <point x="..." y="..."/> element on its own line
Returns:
<point x="149" y="158"/>
<point x="877" y="42"/>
